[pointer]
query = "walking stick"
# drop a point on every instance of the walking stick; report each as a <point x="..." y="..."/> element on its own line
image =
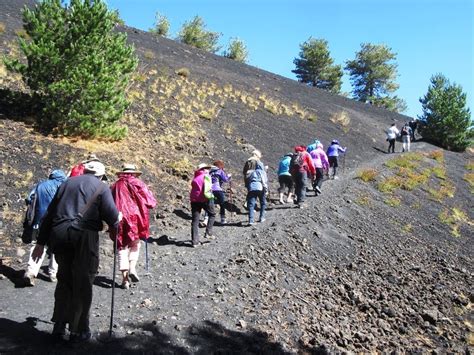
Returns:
<point x="113" y="284"/>
<point x="146" y="254"/>
<point x="231" y="200"/>
<point x="344" y="164"/>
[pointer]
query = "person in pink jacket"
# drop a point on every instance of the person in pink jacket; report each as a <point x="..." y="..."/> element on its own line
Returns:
<point x="133" y="199"/>
<point x="321" y="163"/>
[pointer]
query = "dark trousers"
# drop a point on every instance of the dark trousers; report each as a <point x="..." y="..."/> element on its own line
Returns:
<point x="252" y="201"/>
<point x="391" y="145"/>
<point x="300" y="186"/>
<point x="196" y="208"/>
<point x="77" y="268"/>
<point x="220" y="200"/>
<point x="319" y="178"/>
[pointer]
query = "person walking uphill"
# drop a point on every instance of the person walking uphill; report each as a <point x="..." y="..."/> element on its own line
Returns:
<point x="201" y="197"/>
<point x="321" y="163"/>
<point x="392" y="134"/>
<point x="301" y="165"/>
<point x="333" y="154"/>
<point x="133" y="198"/>
<point x="42" y="195"/>
<point x="284" y="178"/>
<point x="257" y="187"/>
<point x="71" y="228"/>
<point x="219" y="177"/>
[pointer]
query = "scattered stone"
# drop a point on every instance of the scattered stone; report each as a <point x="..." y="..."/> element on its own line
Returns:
<point x="430" y="315"/>
<point x="242" y="324"/>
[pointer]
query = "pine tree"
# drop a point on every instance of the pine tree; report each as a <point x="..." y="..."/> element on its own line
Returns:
<point x="237" y="51"/>
<point x="446" y="120"/>
<point x="77" y="66"/>
<point x="373" y="75"/>
<point x="162" y="25"/>
<point x="315" y="66"/>
<point x="194" y="33"/>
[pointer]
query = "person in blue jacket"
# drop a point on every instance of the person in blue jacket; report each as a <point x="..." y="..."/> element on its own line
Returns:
<point x="285" y="179"/>
<point x="43" y="194"/>
<point x="333" y="153"/>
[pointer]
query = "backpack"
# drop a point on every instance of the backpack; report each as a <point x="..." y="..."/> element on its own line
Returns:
<point x="405" y="131"/>
<point x="29" y="232"/>
<point x="297" y="161"/>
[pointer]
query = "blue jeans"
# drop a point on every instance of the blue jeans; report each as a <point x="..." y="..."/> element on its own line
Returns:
<point x="252" y="201"/>
<point x="300" y="186"/>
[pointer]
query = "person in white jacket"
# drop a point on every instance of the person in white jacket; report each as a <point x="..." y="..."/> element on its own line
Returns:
<point x="392" y="134"/>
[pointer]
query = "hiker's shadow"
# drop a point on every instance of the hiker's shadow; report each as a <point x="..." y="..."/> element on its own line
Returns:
<point x="15" y="276"/>
<point x="380" y="150"/>
<point x="104" y="282"/>
<point x="19" y="338"/>
<point x="182" y="214"/>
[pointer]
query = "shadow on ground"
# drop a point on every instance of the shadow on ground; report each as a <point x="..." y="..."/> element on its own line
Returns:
<point x="206" y="338"/>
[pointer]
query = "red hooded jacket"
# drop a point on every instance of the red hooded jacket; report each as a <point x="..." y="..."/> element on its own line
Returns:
<point x="308" y="161"/>
<point x="133" y="199"/>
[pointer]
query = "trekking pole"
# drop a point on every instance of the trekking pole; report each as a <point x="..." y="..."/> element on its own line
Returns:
<point x="146" y="254"/>
<point x="344" y="164"/>
<point x="113" y="284"/>
<point x="231" y="200"/>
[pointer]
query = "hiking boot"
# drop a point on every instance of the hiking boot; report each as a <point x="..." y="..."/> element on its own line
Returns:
<point x="28" y="280"/>
<point x="125" y="284"/>
<point x="251" y="223"/>
<point x="223" y="220"/>
<point x="133" y="277"/>
<point x="336" y="177"/>
<point x="52" y="278"/>
<point x="282" y="202"/>
<point x="262" y="220"/>
<point x="196" y="245"/>
<point x="59" y="328"/>
<point x="318" y="189"/>
<point x="209" y="236"/>
<point x="81" y="337"/>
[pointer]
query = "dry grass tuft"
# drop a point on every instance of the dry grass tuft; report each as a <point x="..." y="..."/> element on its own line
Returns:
<point x="367" y="175"/>
<point x="184" y="72"/>
<point x="341" y="118"/>
<point x="393" y="201"/>
<point x="437" y="155"/>
<point x="2" y="27"/>
<point x="454" y="218"/>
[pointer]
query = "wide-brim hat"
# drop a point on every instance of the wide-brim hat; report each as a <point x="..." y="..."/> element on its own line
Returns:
<point x="95" y="167"/>
<point x="203" y="166"/>
<point x="129" y="169"/>
<point x="90" y="157"/>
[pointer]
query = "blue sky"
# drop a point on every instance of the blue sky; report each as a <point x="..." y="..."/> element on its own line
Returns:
<point x="429" y="36"/>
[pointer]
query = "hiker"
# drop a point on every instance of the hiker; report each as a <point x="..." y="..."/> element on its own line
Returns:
<point x="79" y="168"/>
<point x="406" y="134"/>
<point x="40" y="197"/>
<point x="257" y="187"/>
<point x="321" y="163"/>
<point x="251" y="163"/>
<point x="202" y="198"/>
<point x="71" y="229"/>
<point x="413" y="125"/>
<point x="301" y="166"/>
<point x="333" y="154"/>
<point x="133" y="198"/>
<point x="284" y="178"/>
<point x="392" y="134"/>
<point x="219" y="177"/>
<point x="312" y="146"/>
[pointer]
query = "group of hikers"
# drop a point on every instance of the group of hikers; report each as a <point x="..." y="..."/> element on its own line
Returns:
<point x="66" y="212"/>
<point x="406" y="133"/>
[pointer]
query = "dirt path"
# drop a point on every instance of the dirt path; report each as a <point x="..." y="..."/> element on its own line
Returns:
<point x="314" y="275"/>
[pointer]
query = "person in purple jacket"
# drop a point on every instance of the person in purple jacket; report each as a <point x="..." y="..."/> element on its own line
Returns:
<point x="321" y="163"/>
<point x="333" y="153"/>
<point x="219" y="177"/>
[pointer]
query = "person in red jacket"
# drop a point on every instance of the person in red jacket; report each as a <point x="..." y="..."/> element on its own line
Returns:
<point x="78" y="169"/>
<point x="133" y="198"/>
<point x="301" y="166"/>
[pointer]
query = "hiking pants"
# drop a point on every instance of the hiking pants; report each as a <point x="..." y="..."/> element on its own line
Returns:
<point x="128" y="256"/>
<point x="406" y="143"/>
<point x="76" y="273"/>
<point x="34" y="267"/>
<point x="391" y="144"/>
<point x="220" y="200"/>
<point x="252" y="201"/>
<point x="319" y="177"/>
<point x="333" y="164"/>
<point x="286" y="182"/>
<point x="196" y="208"/>
<point x="300" y="186"/>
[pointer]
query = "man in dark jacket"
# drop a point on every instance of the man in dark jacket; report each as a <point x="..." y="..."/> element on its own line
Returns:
<point x="71" y="228"/>
<point x="301" y="167"/>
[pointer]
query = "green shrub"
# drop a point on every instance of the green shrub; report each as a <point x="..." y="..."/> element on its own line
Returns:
<point x="78" y="67"/>
<point x="194" y="34"/>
